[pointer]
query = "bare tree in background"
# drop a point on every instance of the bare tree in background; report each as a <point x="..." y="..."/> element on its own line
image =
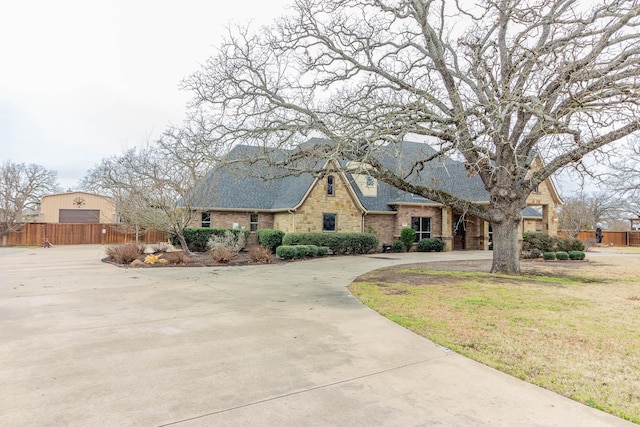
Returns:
<point x="492" y="84"/>
<point x="21" y="187"/>
<point x="588" y="211"/>
<point x="153" y="186"/>
<point x="624" y="177"/>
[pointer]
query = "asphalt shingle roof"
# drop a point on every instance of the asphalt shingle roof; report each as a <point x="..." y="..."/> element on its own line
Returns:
<point x="259" y="186"/>
<point x="251" y="186"/>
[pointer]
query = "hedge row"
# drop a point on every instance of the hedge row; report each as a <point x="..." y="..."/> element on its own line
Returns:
<point x="534" y="245"/>
<point x="301" y="251"/>
<point x="338" y="243"/>
<point x="197" y="238"/>
<point x="430" y="245"/>
<point x="563" y="256"/>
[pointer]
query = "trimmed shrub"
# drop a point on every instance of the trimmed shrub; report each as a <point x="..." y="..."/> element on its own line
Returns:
<point x="576" y="255"/>
<point x="539" y="241"/>
<point x="124" y="253"/>
<point x="408" y="236"/>
<point x="545" y="243"/>
<point x="430" y="245"/>
<point x="196" y="238"/>
<point x="307" y="250"/>
<point x="223" y="254"/>
<point x="568" y="245"/>
<point x="260" y="254"/>
<point x="270" y="238"/>
<point x="532" y="253"/>
<point x="397" y="246"/>
<point x="318" y="239"/>
<point x="562" y="256"/>
<point x="287" y="252"/>
<point x="323" y="250"/>
<point x="338" y="243"/>
<point x="549" y="256"/>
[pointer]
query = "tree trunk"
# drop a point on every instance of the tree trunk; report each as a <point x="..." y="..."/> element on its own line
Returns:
<point x="4" y="239"/>
<point x="506" y="253"/>
<point x="183" y="243"/>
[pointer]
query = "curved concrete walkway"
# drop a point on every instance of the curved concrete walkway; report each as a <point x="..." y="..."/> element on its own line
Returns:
<point x="88" y="344"/>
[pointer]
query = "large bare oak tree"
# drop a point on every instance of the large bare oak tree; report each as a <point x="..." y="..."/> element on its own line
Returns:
<point x="493" y="84"/>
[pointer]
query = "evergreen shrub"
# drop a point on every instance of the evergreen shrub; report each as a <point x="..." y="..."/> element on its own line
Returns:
<point x="430" y="245"/>
<point x="397" y="246"/>
<point x="270" y="238"/>
<point x="408" y="236"/>
<point x="576" y="255"/>
<point x="338" y="243"/>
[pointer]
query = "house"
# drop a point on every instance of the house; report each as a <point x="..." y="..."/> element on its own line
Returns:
<point x="255" y="196"/>
<point x="77" y="207"/>
<point x="532" y="220"/>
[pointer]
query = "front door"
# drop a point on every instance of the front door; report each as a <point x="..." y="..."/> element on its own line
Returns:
<point x="459" y="232"/>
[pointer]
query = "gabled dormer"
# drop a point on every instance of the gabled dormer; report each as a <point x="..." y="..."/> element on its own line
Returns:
<point x="367" y="184"/>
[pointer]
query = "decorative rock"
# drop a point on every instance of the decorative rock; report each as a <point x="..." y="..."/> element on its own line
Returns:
<point x="136" y="263"/>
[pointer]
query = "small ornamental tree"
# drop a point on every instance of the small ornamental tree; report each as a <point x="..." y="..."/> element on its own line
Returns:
<point x="408" y="236"/>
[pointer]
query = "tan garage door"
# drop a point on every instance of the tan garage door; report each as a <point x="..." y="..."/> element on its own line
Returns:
<point x="79" y="215"/>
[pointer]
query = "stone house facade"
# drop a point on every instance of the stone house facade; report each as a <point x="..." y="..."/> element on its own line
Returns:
<point x="346" y="199"/>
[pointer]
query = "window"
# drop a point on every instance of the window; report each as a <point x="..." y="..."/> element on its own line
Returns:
<point x="328" y="222"/>
<point x="253" y="222"/>
<point x="422" y="225"/>
<point x="330" y="185"/>
<point x="205" y="219"/>
<point x="370" y="181"/>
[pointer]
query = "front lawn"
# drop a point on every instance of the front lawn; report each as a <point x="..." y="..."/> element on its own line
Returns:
<point x="571" y="327"/>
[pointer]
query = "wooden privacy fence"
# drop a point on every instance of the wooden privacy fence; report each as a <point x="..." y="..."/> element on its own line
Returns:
<point x="79" y="234"/>
<point x="615" y="238"/>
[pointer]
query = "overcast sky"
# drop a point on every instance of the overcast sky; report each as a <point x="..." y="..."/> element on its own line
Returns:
<point x="81" y="80"/>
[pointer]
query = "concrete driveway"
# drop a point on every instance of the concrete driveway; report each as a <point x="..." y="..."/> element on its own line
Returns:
<point x="88" y="344"/>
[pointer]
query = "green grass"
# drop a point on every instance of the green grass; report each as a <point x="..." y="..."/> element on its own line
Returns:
<point x="576" y="335"/>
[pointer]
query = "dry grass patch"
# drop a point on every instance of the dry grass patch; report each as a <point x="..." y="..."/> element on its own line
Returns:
<point x="573" y="328"/>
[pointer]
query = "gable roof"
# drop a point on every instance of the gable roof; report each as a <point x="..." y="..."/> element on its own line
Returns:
<point x="531" y="213"/>
<point x="248" y="186"/>
<point x="444" y="174"/>
<point x="259" y="186"/>
<point x="80" y="193"/>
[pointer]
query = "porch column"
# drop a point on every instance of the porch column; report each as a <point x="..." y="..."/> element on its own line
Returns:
<point x="485" y="234"/>
<point x="447" y="228"/>
<point x="549" y="221"/>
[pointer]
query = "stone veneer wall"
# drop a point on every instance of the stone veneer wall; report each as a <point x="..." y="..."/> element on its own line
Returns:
<point x="544" y="197"/>
<point x="532" y="225"/>
<point x="308" y="218"/>
<point x="284" y="221"/>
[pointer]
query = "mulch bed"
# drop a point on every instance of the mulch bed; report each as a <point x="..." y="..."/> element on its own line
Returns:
<point x="203" y="259"/>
